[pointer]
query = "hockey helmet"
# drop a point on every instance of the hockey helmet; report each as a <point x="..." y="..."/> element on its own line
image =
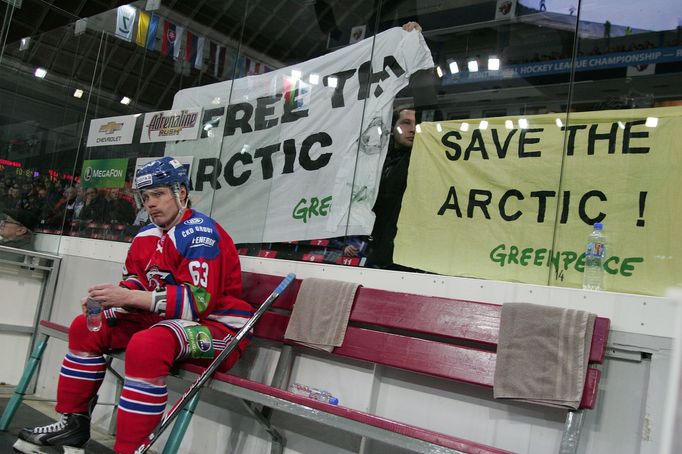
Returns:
<point x="166" y="171"/>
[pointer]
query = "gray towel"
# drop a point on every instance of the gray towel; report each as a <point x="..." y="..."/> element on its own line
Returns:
<point x="321" y="312"/>
<point x="542" y="354"/>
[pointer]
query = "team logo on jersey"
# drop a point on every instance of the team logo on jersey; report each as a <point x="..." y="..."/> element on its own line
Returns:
<point x="194" y="221"/>
<point x="157" y="278"/>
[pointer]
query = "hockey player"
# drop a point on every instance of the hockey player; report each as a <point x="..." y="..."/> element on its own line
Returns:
<point x="179" y="300"/>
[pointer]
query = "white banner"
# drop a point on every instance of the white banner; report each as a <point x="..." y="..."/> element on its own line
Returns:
<point x="167" y="125"/>
<point x="302" y="142"/>
<point x="125" y="18"/>
<point x="111" y="131"/>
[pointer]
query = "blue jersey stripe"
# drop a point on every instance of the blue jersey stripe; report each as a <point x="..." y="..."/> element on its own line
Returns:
<point x="179" y="302"/>
<point x="233" y="312"/>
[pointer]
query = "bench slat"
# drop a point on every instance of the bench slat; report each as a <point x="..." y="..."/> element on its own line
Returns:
<point x="365" y="418"/>
<point x="456" y="319"/>
<point x="459" y="319"/>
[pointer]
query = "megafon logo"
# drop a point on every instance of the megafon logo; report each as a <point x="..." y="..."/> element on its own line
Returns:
<point x="88" y="174"/>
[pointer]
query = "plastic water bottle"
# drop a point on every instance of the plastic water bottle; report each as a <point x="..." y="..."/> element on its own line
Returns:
<point x="93" y="314"/>
<point x="313" y="393"/>
<point x="593" y="276"/>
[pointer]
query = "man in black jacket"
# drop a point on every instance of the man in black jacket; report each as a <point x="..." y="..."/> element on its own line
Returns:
<point x="391" y="190"/>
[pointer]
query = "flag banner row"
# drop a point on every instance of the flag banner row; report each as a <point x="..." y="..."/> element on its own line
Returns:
<point x="156" y="33"/>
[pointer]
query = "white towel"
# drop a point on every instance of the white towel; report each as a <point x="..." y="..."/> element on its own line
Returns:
<point x="321" y="313"/>
<point x="542" y="354"/>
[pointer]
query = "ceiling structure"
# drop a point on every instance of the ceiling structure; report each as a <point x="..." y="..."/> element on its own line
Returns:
<point x="277" y="33"/>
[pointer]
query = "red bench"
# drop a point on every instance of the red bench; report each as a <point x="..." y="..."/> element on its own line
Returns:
<point x="446" y="338"/>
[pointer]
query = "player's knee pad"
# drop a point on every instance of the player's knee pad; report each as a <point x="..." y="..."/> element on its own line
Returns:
<point x="150" y="353"/>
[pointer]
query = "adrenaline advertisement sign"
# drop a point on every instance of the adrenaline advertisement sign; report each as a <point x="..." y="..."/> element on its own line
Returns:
<point x="111" y="131"/>
<point x="171" y="125"/>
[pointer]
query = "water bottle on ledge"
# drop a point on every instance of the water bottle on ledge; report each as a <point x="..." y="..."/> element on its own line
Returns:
<point x="313" y="393"/>
<point x="593" y="276"/>
<point x="93" y="314"/>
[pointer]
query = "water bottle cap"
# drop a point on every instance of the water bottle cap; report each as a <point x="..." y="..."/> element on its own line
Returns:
<point x="598" y="226"/>
<point x="333" y="401"/>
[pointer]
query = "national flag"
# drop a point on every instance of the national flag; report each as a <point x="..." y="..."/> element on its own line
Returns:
<point x="125" y="18"/>
<point x="151" y="33"/>
<point x="199" y="59"/>
<point x="211" y="56"/>
<point x="179" y="31"/>
<point x="191" y="47"/>
<point x="240" y="67"/>
<point x="169" y="38"/>
<point x="142" y="29"/>
<point x="219" y="66"/>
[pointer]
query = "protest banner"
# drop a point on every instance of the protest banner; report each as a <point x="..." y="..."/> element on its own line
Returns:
<point x="296" y="153"/>
<point x="514" y="198"/>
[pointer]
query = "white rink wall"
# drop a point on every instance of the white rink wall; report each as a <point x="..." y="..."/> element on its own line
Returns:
<point x="630" y="417"/>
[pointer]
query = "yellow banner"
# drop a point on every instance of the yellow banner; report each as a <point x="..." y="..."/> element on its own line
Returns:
<point x="514" y="198"/>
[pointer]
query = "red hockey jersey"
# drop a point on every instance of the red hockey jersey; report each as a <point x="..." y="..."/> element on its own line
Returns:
<point x="198" y="266"/>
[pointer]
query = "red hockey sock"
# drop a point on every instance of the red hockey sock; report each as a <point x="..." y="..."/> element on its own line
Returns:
<point x="79" y="380"/>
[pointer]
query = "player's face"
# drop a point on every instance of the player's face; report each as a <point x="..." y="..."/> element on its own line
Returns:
<point x="162" y="205"/>
<point x="403" y="130"/>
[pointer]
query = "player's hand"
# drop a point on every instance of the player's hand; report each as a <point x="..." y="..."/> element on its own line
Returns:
<point x="408" y="27"/>
<point x="110" y="295"/>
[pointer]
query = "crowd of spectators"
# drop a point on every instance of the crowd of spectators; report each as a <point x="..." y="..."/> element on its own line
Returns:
<point x="63" y="206"/>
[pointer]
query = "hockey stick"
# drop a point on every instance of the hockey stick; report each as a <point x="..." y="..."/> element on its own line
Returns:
<point x="206" y="375"/>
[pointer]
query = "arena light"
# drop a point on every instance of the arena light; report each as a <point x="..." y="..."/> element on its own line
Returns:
<point x="559" y="123"/>
<point x="473" y="66"/>
<point x="509" y="124"/>
<point x="314" y="79"/>
<point x="651" y="122"/>
<point x="464" y="126"/>
<point x="418" y="129"/>
<point x="78" y="93"/>
<point x="483" y="125"/>
<point x="439" y="128"/>
<point x="332" y="82"/>
<point x="454" y="68"/>
<point x="295" y="75"/>
<point x="439" y="71"/>
<point x="40" y="73"/>
<point x="125" y="100"/>
<point x="493" y="63"/>
<point x="523" y="123"/>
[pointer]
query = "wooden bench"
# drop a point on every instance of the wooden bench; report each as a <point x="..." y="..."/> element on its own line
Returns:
<point x="450" y="339"/>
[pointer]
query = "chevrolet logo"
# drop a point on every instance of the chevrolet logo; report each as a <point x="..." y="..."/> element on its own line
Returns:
<point x="111" y="127"/>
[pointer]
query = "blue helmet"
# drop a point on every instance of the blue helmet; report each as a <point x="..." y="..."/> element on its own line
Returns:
<point x="166" y="171"/>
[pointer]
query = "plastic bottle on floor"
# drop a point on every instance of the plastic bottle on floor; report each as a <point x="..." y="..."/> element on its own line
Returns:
<point x="313" y="393"/>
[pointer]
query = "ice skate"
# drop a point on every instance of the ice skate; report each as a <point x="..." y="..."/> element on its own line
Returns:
<point x="66" y="436"/>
